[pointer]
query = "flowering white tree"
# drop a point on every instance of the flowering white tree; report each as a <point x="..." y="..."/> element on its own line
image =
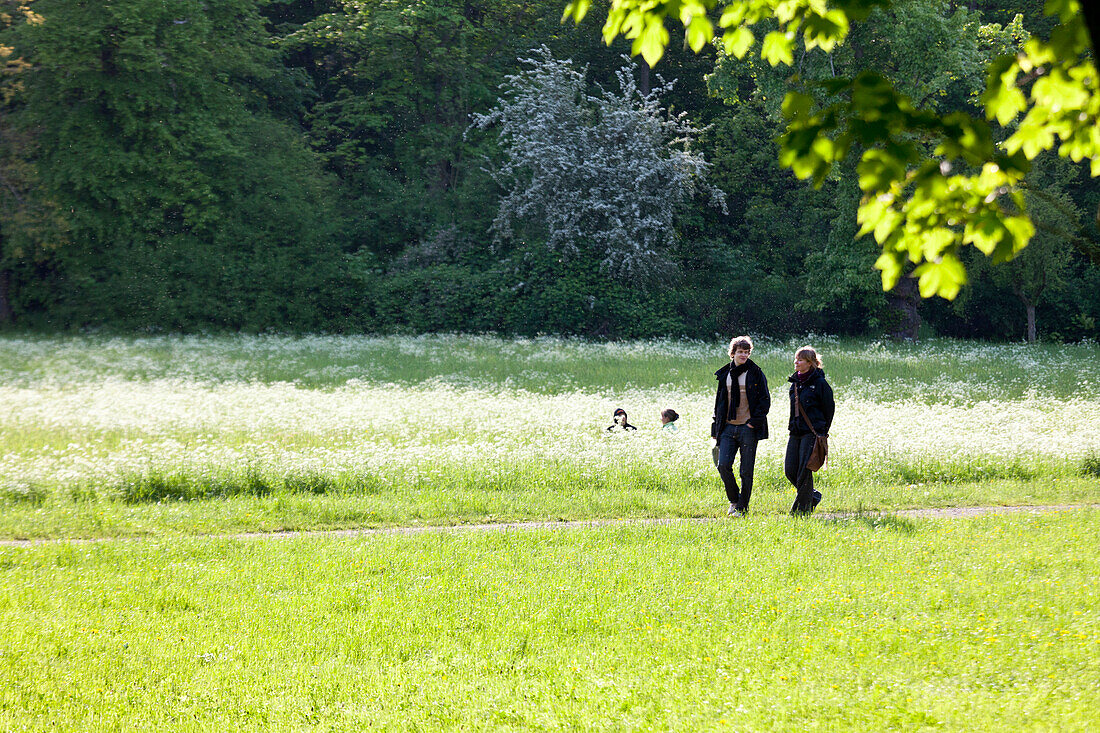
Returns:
<point x="604" y="172"/>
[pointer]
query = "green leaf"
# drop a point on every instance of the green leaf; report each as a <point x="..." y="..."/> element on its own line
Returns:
<point x="943" y="278"/>
<point x="825" y="31"/>
<point x="732" y="15"/>
<point x="871" y="211"/>
<point x="652" y="41"/>
<point x="1064" y="9"/>
<point x="738" y="41"/>
<point x="890" y="263"/>
<point x="886" y="226"/>
<point x="936" y="242"/>
<point x="984" y="232"/>
<point x="776" y="49"/>
<point x="613" y="26"/>
<point x="699" y="32"/>
<point x="1005" y="104"/>
<point x="878" y="170"/>
<point x="1003" y="100"/>
<point x="576" y="10"/>
<point x="633" y="23"/>
<point x="1021" y="230"/>
<point x="797" y="142"/>
<point x="797" y="106"/>
<point x="1032" y="137"/>
<point x="801" y="151"/>
<point x="688" y="9"/>
<point x="803" y="166"/>
<point x="1058" y="91"/>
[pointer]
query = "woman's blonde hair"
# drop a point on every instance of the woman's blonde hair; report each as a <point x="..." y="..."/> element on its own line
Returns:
<point x="740" y="342"/>
<point x="808" y="353"/>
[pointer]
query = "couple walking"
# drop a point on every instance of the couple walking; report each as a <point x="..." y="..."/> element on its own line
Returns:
<point x="741" y="408"/>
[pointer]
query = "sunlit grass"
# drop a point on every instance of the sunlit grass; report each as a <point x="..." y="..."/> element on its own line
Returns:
<point x="867" y="623"/>
<point x="764" y="624"/>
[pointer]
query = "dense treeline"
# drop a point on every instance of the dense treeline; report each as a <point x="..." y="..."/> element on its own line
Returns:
<point x="311" y="165"/>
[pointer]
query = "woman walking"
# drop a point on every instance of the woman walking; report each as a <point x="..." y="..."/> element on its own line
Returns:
<point x="808" y="387"/>
<point x="740" y="420"/>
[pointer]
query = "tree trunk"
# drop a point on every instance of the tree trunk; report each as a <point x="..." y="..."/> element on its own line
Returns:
<point x="1096" y="258"/>
<point x="906" y="300"/>
<point x="1091" y="11"/>
<point x="1029" y="299"/>
<point x="7" y="315"/>
<point x="643" y="82"/>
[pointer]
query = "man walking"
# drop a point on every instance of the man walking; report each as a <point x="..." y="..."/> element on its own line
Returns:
<point x="740" y="420"/>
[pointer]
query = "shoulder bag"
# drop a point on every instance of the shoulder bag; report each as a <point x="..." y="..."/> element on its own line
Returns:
<point x="820" y="453"/>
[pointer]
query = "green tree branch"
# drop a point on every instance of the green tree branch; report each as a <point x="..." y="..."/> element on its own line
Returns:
<point x="932" y="184"/>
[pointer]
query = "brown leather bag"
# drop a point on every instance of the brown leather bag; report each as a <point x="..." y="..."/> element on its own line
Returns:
<point x="820" y="453"/>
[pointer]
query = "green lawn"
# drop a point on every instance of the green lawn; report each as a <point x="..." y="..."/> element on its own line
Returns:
<point x="634" y="494"/>
<point x="762" y="624"/>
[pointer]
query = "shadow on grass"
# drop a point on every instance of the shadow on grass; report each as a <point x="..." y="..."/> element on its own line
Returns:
<point x="876" y="521"/>
<point x="22" y="493"/>
<point x="155" y="486"/>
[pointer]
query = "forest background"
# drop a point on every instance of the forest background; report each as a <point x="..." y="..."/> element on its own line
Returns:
<point x="298" y="165"/>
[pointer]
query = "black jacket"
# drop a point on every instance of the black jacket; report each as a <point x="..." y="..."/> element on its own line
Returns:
<point x="760" y="400"/>
<point x="817" y="400"/>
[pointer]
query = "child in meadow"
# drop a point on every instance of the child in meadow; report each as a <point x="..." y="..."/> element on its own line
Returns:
<point x="619" y="418"/>
<point x="668" y="420"/>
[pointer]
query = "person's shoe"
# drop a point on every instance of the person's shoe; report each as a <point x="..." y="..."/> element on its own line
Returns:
<point x="816" y="501"/>
<point x="733" y="511"/>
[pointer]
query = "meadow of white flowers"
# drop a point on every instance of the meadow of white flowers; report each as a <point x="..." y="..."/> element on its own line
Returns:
<point x="90" y="411"/>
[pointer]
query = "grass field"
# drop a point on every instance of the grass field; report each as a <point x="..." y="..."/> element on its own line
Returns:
<point x="177" y="435"/>
<point x="873" y="622"/>
<point x="767" y="624"/>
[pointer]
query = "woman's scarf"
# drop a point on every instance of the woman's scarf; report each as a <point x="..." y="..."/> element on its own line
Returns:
<point x="801" y="378"/>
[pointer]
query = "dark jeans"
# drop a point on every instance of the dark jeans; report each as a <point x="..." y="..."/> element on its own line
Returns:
<point x="735" y="438"/>
<point x="799" y="448"/>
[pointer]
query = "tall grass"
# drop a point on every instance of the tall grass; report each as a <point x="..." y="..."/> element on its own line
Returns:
<point x="460" y="428"/>
<point x="933" y="369"/>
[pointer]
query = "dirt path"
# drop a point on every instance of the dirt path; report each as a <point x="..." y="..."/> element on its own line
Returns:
<point x="942" y="512"/>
